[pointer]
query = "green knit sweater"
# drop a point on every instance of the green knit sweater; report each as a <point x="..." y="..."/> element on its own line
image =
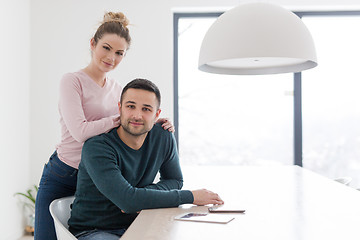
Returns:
<point x="113" y="178"/>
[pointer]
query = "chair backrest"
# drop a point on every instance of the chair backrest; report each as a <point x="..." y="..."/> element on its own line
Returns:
<point x="60" y="211"/>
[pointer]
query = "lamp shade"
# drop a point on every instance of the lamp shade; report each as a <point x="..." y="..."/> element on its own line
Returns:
<point x="257" y="38"/>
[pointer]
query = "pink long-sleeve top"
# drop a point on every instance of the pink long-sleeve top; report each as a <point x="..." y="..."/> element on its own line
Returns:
<point x="86" y="110"/>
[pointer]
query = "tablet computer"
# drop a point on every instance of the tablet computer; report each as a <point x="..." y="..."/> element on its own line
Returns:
<point x="225" y="209"/>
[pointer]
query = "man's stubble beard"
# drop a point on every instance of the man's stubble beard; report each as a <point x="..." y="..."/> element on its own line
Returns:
<point x="128" y="130"/>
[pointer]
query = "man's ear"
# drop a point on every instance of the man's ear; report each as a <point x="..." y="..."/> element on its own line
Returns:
<point x="157" y="114"/>
<point x="119" y="106"/>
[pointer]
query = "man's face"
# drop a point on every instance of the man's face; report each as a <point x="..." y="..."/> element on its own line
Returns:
<point x="138" y="111"/>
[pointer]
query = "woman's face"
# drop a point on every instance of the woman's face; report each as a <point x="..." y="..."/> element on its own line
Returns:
<point x="108" y="52"/>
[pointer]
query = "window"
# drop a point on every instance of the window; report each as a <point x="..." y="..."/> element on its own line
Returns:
<point x="331" y="99"/>
<point x="248" y="120"/>
<point x="230" y="119"/>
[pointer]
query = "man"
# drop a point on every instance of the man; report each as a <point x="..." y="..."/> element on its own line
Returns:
<point x="117" y="170"/>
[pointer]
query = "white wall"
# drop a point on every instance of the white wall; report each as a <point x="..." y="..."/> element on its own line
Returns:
<point x="14" y="110"/>
<point x="60" y="33"/>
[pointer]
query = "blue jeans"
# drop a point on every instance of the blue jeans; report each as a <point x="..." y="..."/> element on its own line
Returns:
<point x="58" y="180"/>
<point x="101" y="234"/>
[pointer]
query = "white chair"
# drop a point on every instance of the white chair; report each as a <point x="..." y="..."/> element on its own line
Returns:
<point x="60" y="211"/>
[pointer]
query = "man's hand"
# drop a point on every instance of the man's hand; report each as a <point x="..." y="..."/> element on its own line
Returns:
<point x="204" y="197"/>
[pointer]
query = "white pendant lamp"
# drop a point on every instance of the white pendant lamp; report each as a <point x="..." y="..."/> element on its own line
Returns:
<point x="257" y="38"/>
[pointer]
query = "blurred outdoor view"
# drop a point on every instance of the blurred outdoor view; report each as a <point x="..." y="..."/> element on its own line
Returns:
<point x="331" y="99"/>
<point x="248" y="120"/>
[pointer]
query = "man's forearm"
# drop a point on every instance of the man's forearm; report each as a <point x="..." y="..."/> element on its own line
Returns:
<point x="167" y="184"/>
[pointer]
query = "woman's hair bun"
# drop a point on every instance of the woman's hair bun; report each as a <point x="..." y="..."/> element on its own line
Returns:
<point x="116" y="17"/>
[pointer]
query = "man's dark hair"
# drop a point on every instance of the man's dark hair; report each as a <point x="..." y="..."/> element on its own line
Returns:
<point x="143" y="84"/>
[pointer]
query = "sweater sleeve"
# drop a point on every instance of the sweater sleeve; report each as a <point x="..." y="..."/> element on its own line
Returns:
<point x="100" y="163"/>
<point x="170" y="171"/>
<point x="71" y="110"/>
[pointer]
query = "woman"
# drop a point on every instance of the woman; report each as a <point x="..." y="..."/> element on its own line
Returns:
<point x="88" y="107"/>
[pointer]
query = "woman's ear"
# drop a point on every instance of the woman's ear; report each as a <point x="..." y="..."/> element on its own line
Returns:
<point x="92" y="44"/>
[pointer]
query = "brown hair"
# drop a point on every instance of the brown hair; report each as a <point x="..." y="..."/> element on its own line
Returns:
<point x="143" y="84"/>
<point x="115" y="23"/>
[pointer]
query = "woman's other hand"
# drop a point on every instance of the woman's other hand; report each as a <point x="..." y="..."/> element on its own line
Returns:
<point x="166" y="124"/>
<point x="116" y="121"/>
